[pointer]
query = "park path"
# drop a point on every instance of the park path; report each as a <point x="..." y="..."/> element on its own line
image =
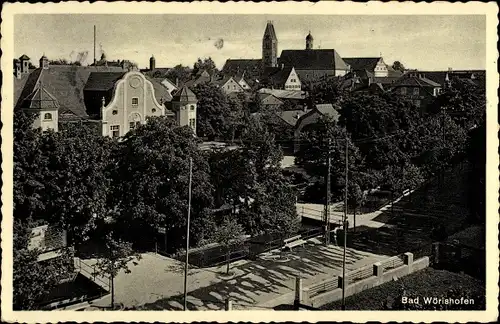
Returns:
<point x="157" y="282"/>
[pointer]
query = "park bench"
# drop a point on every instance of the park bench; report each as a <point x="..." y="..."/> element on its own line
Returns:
<point x="293" y="242"/>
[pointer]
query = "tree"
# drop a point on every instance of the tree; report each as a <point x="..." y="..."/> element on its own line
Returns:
<point x="476" y="154"/>
<point x="398" y="66"/>
<point x="382" y="126"/>
<point x="319" y="139"/>
<point x="228" y="234"/>
<point x="330" y="91"/>
<point x="179" y="73"/>
<point x="464" y="101"/>
<point x="29" y="168"/>
<point x="214" y="111"/>
<point x="152" y="175"/>
<point x="207" y="64"/>
<point x="235" y="118"/>
<point x="32" y="280"/>
<point x="76" y="183"/>
<point x="117" y="257"/>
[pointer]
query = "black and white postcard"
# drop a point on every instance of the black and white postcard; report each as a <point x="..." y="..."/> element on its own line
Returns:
<point x="213" y="158"/>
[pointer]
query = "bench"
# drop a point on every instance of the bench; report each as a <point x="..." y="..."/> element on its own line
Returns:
<point x="293" y="242"/>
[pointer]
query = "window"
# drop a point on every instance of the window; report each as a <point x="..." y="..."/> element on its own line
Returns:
<point x="192" y="122"/>
<point x="115" y="130"/>
<point x="134" y="125"/>
<point x="135" y="101"/>
<point x="191" y="107"/>
<point x="416" y="91"/>
<point x="403" y="90"/>
<point x="47" y="116"/>
<point x="417" y="103"/>
<point x="115" y="112"/>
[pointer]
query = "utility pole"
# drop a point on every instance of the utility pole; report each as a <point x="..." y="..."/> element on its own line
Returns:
<point x="345" y="219"/>
<point x="187" y="232"/>
<point x="327" y="204"/>
<point x="94" y="45"/>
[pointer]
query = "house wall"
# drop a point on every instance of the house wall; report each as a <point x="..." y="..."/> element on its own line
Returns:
<point x="293" y="81"/>
<point x="52" y="122"/>
<point x="185" y="114"/>
<point x="421" y="99"/>
<point x="231" y="86"/>
<point x="133" y="101"/>
<point x="170" y="87"/>
<point x="381" y="70"/>
<point x="244" y="84"/>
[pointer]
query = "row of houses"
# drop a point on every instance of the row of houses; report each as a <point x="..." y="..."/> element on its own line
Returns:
<point x="114" y="98"/>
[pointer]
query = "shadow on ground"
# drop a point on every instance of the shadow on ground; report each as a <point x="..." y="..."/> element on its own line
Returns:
<point x="252" y="280"/>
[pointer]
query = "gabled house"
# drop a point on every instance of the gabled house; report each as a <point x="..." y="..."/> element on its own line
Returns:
<point x="311" y="117"/>
<point x="284" y="78"/>
<point x="126" y="100"/>
<point x="112" y="99"/>
<point x="240" y="78"/>
<point x="229" y="85"/>
<point x="172" y="87"/>
<point x="414" y="86"/>
<point x="374" y="65"/>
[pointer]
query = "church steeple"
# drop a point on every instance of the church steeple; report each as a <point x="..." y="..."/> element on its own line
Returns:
<point x="309" y="41"/>
<point x="269" y="47"/>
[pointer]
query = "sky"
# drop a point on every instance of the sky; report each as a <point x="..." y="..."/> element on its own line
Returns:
<point x="419" y="42"/>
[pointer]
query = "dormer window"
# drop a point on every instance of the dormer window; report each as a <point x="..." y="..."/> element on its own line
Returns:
<point x="47" y="116"/>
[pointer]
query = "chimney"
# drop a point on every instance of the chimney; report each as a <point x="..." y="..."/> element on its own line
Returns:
<point x="18" y="70"/>
<point x="450" y="69"/>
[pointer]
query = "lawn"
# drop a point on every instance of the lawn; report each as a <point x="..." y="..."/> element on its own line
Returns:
<point x="425" y="283"/>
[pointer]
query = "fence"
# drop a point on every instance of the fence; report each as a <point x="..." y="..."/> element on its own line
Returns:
<point x="89" y="271"/>
<point x="394" y="262"/>
<point x="216" y="255"/>
<point x="358" y="280"/>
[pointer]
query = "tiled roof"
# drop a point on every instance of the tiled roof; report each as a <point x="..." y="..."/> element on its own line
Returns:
<point x="277" y="76"/>
<point x="327" y="109"/>
<point x="184" y="95"/>
<point x="415" y="80"/>
<point x="385" y="80"/>
<point x="436" y="76"/>
<point x="102" y="81"/>
<point x="156" y="73"/>
<point x="252" y="67"/>
<point x="161" y="92"/>
<point x="285" y="94"/>
<point x="65" y="83"/>
<point x="291" y="116"/>
<point x="314" y="59"/>
<point x="362" y="63"/>
<point x="40" y="98"/>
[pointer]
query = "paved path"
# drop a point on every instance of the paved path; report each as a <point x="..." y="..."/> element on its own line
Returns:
<point x="156" y="283"/>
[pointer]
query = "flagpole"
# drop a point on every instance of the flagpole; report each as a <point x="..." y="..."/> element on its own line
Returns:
<point x="344" y="281"/>
<point x="187" y="232"/>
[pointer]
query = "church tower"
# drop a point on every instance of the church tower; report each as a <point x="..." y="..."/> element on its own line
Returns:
<point x="269" y="47"/>
<point x="309" y="41"/>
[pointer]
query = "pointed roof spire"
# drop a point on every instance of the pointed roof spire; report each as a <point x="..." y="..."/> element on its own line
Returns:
<point x="270" y="30"/>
